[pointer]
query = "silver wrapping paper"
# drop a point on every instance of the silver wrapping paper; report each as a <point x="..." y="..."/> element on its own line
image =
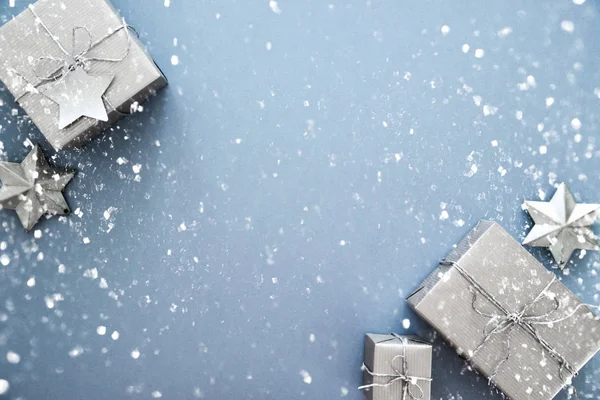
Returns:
<point x="515" y="278"/>
<point x="23" y="41"/>
<point x="380" y="351"/>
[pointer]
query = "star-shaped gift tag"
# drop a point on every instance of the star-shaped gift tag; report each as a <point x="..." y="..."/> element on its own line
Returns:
<point x="33" y="188"/>
<point x="79" y="95"/>
<point x="562" y="225"/>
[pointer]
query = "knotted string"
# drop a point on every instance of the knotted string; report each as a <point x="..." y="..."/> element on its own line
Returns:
<point x="73" y="60"/>
<point x="399" y="375"/>
<point x="507" y="321"/>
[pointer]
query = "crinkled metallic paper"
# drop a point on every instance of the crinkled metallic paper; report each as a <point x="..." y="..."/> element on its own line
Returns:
<point x="562" y="225"/>
<point x="23" y="41"/>
<point x="33" y="188"/>
<point x="515" y="278"/>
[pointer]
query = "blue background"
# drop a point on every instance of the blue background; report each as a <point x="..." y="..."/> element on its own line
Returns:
<point x="292" y="189"/>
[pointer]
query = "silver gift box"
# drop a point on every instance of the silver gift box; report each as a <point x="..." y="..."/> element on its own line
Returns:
<point x="502" y="310"/>
<point x="23" y="42"/>
<point x="396" y="368"/>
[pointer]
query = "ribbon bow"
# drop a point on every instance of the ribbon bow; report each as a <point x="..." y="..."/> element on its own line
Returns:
<point x="506" y="321"/>
<point x="56" y="68"/>
<point x="399" y="375"/>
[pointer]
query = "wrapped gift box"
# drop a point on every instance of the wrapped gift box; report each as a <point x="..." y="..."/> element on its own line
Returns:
<point x="31" y="59"/>
<point x="502" y="310"/>
<point x="396" y="368"/>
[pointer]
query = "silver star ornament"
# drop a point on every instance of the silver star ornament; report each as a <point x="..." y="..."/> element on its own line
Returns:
<point x="33" y="188"/>
<point x="79" y="94"/>
<point x="562" y="225"/>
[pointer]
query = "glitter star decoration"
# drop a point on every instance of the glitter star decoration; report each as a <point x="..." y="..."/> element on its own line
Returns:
<point x="562" y="225"/>
<point x="79" y="94"/>
<point x="32" y="188"/>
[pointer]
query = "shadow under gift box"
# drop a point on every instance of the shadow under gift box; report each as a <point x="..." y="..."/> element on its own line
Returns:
<point x="23" y="40"/>
<point x="515" y="279"/>
<point x="384" y="356"/>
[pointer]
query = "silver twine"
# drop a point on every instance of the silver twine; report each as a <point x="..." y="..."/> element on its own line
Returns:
<point x="507" y="321"/>
<point x="73" y="60"/>
<point x="400" y="375"/>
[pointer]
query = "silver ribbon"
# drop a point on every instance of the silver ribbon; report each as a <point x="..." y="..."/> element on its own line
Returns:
<point x="507" y="321"/>
<point x="73" y="59"/>
<point x="400" y="375"/>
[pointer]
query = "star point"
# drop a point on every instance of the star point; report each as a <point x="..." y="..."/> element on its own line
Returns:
<point x="33" y="188"/>
<point x="562" y="225"/>
<point x="79" y="94"/>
